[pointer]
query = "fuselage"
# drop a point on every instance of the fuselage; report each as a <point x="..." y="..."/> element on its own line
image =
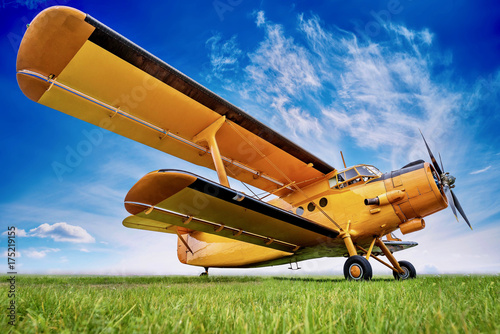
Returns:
<point x="399" y="200"/>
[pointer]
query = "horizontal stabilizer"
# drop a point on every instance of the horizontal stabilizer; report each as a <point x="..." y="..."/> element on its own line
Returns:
<point x="395" y="246"/>
<point x="148" y="224"/>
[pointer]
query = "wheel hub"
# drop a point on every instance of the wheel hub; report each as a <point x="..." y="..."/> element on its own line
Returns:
<point x="406" y="273"/>
<point x="355" y="271"/>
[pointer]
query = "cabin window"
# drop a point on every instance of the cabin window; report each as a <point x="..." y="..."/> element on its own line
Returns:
<point x="300" y="211"/>
<point x="333" y="182"/>
<point x="311" y="207"/>
<point x="323" y="202"/>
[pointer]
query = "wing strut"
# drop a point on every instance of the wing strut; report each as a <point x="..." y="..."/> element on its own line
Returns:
<point x="290" y="182"/>
<point x="182" y="239"/>
<point x="208" y="135"/>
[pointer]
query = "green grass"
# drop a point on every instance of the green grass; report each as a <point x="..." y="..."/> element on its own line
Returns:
<point x="428" y="304"/>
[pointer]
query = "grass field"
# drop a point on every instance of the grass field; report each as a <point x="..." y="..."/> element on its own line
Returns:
<point x="220" y="304"/>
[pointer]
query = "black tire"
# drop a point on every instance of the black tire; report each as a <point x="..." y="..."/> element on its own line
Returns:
<point x="357" y="263"/>
<point x="409" y="269"/>
<point x="204" y="274"/>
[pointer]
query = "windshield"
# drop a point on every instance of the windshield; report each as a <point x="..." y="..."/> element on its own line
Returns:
<point x="353" y="175"/>
<point x="368" y="170"/>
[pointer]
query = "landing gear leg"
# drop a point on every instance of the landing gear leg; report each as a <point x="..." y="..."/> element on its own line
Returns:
<point x="356" y="268"/>
<point x="403" y="269"/>
<point x="205" y="273"/>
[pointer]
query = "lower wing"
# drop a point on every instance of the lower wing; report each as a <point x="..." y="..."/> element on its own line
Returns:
<point x="164" y="199"/>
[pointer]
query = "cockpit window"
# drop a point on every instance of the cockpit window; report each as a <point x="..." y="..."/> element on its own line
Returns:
<point x="353" y="175"/>
<point x="374" y="170"/>
<point x="350" y="173"/>
<point x="362" y="170"/>
<point x="341" y="177"/>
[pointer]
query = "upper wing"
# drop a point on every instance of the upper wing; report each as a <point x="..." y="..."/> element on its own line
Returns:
<point x="71" y="62"/>
<point x="167" y="197"/>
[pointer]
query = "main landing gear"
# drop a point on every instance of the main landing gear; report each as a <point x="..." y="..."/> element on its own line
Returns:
<point x="357" y="267"/>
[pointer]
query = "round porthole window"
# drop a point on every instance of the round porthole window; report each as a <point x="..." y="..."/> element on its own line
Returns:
<point x="311" y="207"/>
<point x="323" y="202"/>
<point x="300" y="211"/>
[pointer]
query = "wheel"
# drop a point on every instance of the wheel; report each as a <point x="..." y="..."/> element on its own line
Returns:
<point x="409" y="271"/>
<point x="357" y="268"/>
<point x="205" y="273"/>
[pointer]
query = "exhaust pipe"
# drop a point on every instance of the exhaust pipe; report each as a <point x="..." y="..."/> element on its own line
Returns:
<point x="389" y="197"/>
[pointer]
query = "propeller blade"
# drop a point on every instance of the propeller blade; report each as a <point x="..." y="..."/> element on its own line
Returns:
<point x="459" y="207"/>
<point x="441" y="161"/>
<point x="434" y="162"/>
<point x="451" y="201"/>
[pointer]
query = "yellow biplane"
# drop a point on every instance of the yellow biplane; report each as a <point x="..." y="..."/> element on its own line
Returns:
<point x="73" y="63"/>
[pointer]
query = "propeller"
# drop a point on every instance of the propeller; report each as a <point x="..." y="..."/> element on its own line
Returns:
<point x="447" y="182"/>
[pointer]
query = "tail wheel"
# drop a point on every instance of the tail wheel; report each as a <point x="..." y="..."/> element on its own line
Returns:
<point x="205" y="273"/>
<point x="409" y="271"/>
<point x="357" y="268"/>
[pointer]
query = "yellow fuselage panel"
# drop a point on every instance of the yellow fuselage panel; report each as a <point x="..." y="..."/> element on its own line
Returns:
<point x="214" y="251"/>
<point x="422" y="198"/>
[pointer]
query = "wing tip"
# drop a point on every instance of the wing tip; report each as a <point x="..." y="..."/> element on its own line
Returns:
<point x="53" y="37"/>
<point x="155" y="187"/>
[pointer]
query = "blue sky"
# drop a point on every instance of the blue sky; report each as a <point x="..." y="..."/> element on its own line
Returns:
<point x="357" y="76"/>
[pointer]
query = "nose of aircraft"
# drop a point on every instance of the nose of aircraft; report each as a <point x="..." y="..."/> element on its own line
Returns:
<point x="447" y="182"/>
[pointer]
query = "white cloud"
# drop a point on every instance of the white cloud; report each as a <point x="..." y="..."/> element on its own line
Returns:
<point x="260" y="19"/>
<point x="297" y="119"/>
<point x="480" y="171"/>
<point x="281" y="66"/>
<point x="39" y="254"/>
<point x="224" y="58"/>
<point x="18" y="232"/>
<point x="6" y="254"/>
<point x="62" y="232"/>
<point x="329" y="85"/>
<point x="384" y="92"/>
<point x="85" y="250"/>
